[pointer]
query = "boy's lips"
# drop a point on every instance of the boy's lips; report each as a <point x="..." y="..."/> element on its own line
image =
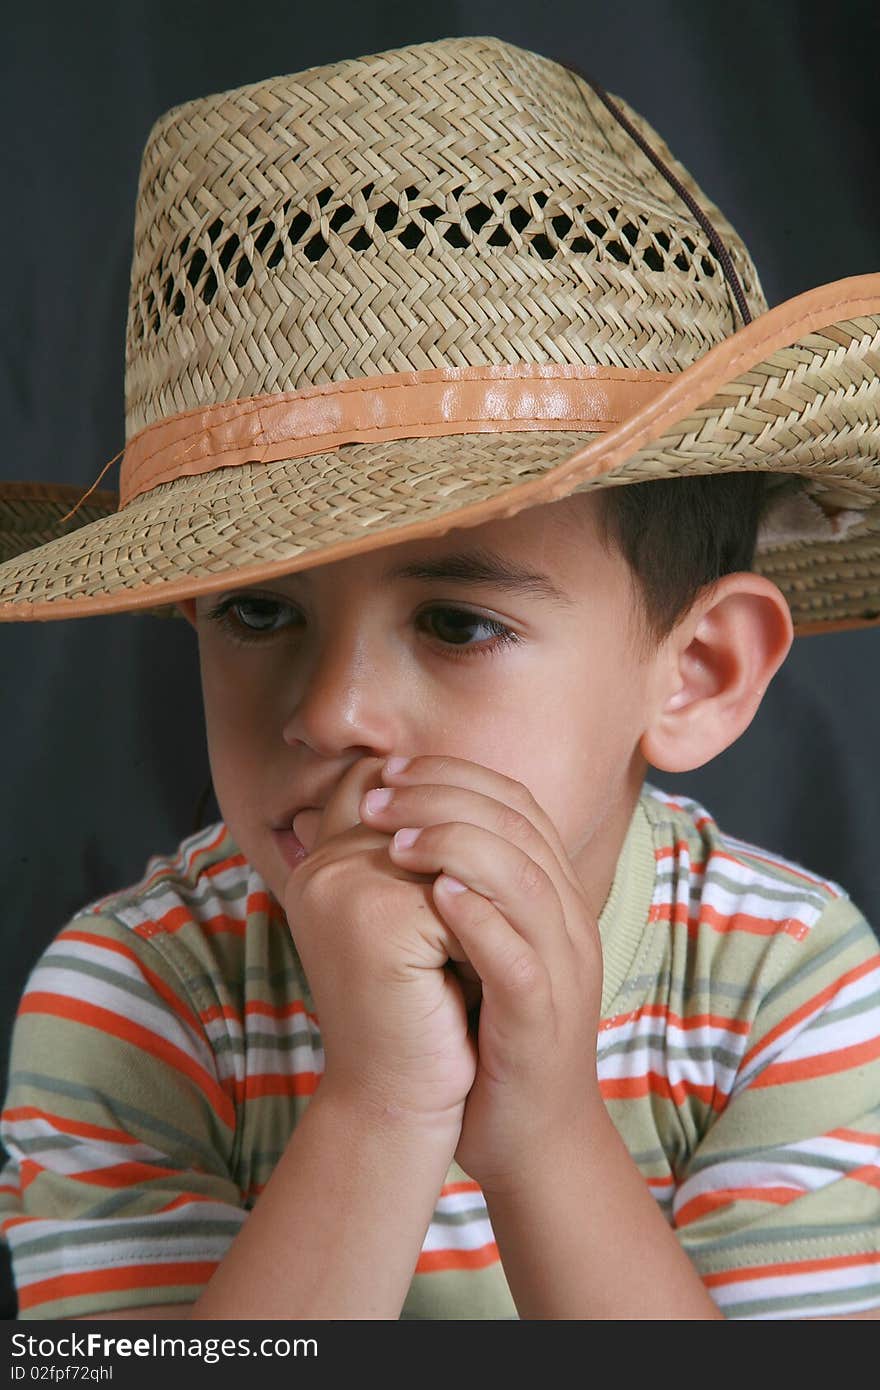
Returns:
<point x="293" y="848"/>
<point x="305" y="826"/>
<point x="297" y="838"/>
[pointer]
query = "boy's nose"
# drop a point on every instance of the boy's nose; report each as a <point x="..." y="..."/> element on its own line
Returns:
<point x="349" y="698"/>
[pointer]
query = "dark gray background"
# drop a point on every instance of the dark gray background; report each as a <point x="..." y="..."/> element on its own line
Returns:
<point x="773" y="107"/>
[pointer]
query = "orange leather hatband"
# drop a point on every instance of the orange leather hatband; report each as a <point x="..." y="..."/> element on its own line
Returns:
<point x="396" y="405"/>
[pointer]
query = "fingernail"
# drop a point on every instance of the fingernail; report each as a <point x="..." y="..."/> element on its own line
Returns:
<point x="396" y="764"/>
<point x="404" y="838"/>
<point x="452" y="885"/>
<point x="378" y="799"/>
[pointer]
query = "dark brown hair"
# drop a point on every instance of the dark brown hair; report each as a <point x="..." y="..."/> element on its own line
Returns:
<point x="679" y="535"/>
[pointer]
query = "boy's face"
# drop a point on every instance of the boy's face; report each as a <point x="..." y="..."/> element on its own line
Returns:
<point x="362" y="664"/>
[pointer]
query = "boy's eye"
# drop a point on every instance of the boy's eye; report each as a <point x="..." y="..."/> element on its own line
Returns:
<point x="448" y="626"/>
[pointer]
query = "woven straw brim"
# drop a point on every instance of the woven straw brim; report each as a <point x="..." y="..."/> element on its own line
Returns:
<point x="808" y="409"/>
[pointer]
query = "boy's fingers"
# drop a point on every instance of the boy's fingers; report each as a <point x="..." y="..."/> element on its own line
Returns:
<point x="501" y="873"/>
<point x="512" y="834"/>
<point x="461" y="772"/>
<point x="514" y="980"/>
<point x="341" y="811"/>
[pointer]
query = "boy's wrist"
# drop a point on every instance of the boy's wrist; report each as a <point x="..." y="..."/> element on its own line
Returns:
<point x="373" y="1113"/>
<point x="577" y="1145"/>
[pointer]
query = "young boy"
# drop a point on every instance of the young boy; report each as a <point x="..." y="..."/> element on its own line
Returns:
<point x="569" y="1051"/>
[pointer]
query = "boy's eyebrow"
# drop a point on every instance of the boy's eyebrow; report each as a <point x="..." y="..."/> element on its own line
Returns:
<point x="481" y="566"/>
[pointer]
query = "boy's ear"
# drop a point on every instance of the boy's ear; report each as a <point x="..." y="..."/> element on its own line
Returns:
<point x="711" y="673"/>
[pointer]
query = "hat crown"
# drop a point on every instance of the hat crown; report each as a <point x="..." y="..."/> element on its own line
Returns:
<point x="463" y="202"/>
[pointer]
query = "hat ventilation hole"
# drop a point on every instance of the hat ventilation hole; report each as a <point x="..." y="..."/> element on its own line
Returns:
<point x="221" y="256"/>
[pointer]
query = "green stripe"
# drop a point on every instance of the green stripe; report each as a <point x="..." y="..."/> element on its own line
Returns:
<point x="802" y="975"/>
<point x="132" y="1115"/>
<point x="702" y="1053"/>
<point x="138" y="988"/>
<point x="718" y="877"/>
<point x="116" y="1232"/>
<point x="848" y="1239"/>
<point x="281" y="1042"/>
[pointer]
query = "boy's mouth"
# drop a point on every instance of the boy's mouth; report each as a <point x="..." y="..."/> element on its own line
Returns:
<point x="305" y="826"/>
<point x="296" y="840"/>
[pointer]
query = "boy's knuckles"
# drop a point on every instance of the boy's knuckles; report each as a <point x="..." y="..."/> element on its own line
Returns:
<point x="521" y="974"/>
<point x="530" y="880"/>
<point x="511" y="824"/>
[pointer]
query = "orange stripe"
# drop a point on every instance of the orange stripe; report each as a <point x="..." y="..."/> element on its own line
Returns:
<point x="176" y="917"/>
<point x="869" y="1174"/>
<point x="745" y="1276"/>
<point x="301" y="1083"/>
<point x="740" y="858"/>
<point x="92" y="1016"/>
<point x="67" y="1126"/>
<point x="176" y="1004"/>
<point x="677" y="914"/>
<point x="175" y="867"/>
<point x="678" y="850"/>
<point x="254" y="1006"/>
<point x="854" y="1136"/>
<point x="777" y="863"/>
<point x="632" y="1087"/>
<point x="729" y="1025"/>
<point x="258" y="1006"/>
<point x="28" y="1172"/>
<point x="180" y="865"/>
<point x="122" y="1174"/>
<point x="167" y="1275"/>
<point x="812" y="1006"/>
<point x="431" y="1261"/>
<point x="184" y="1200"/>
<point x="209" y="848"/>
<point x="825" y="1064"/>
<point x="726" y="1196"/>
<point x="224" y="1011"/>
<point x="450" y="1188"/>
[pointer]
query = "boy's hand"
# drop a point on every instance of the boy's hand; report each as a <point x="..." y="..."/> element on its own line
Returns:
<point x="375" y="952"/>
<point x="524" y="926"/>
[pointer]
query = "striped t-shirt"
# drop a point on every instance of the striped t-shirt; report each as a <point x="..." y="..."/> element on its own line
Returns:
<point x="166" y="1044"/>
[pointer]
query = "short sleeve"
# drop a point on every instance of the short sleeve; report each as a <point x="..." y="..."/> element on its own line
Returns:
<point x="118" y="1192"/>
<point x="779" y="1208"/>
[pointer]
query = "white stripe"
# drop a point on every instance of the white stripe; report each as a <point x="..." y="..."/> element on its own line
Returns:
<point x="471" y="1235"/>
<point x="462" y="1202"/>
<point x="837" y="1033"/>
<point x="262" y="1061"/>
<point x="165" y="1250"/>
<point x="847" y="1153"/>
<point x="157" y="1018"/>
<point x="806" y="1035"/>
<point x="45" y="1227"/>
<point x="739" y="1173"/>
<point x="796" y="1285"/>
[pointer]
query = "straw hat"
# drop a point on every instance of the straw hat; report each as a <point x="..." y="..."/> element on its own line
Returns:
<point x="427" y="288"/>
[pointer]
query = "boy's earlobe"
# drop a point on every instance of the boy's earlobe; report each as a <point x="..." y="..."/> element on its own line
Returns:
<point x="716" y="669"/>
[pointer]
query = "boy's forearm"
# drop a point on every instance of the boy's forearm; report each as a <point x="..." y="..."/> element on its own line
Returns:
<point x="585" y="1239"/>
<point x="338" y="1228"/>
